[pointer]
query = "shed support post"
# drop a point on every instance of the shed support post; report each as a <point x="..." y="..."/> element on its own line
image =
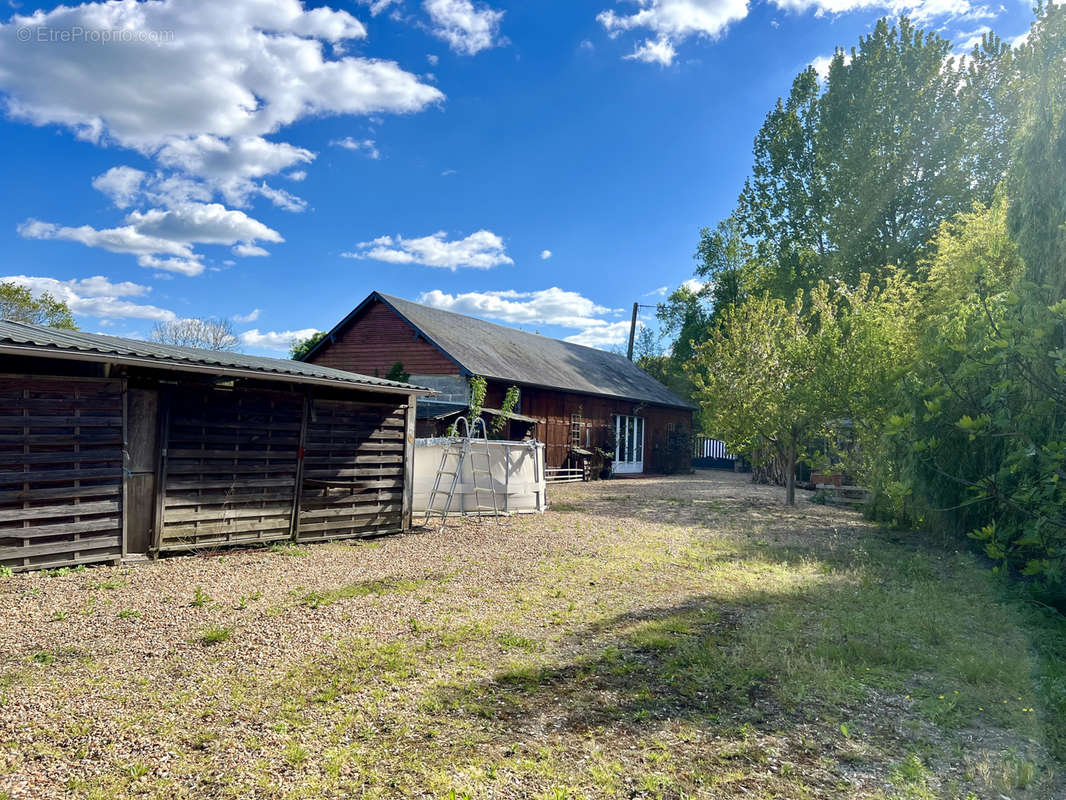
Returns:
<point x="408" y="462"/>
<point x="161" y="471"/>
<point x="298" y="489"/>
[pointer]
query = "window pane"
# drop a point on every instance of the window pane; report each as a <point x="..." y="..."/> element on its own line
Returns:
<point x="639" y="432"/>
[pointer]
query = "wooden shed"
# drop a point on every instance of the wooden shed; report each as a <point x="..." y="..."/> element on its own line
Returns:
<point x="114" y="449"/>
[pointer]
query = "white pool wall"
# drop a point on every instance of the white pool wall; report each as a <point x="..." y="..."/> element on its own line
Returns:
<point x="517" y="475"/>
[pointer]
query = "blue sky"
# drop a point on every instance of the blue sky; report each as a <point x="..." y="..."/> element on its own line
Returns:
<point x="540" y="164"/>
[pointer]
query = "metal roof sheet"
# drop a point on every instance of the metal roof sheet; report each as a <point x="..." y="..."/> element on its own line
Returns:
<point x="21" y="338"/>
<point x="496" y="351"/>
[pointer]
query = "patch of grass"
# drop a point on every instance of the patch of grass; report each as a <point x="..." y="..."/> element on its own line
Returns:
<point x="6" y="572"/>
<point x="512" y="641"/>
<point x="318" y="599"/>
<point x="295" y="754"/>
<point x="216" y="634"/>
<point x="109" y="584"/>
<point x="128" y="613"/>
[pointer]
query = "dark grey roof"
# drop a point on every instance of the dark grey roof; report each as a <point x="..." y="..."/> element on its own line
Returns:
<point x="495" y="351"/>
<point x="20" y="338"/>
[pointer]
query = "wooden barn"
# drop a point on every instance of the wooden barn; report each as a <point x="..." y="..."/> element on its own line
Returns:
<point x="113" y="449"/>
<point x="575" y="399"/>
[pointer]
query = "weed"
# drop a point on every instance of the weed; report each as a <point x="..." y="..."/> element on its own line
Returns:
<point x="294" y="754"/>
<point x="137" y="769"/>
<point x="216" y="634"/>
<point x="199" y="598"/>
<point x="112" y="583"/>
<point x="59" y="615"/>
<point x="128" y="613"/>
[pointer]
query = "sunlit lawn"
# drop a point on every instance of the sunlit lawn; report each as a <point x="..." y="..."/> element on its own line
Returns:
<point x="685" y="637"/>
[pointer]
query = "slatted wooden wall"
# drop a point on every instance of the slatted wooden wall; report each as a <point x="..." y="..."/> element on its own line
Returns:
<point x="230" y="468"/>
<point x="60" y="471"/>
<point x="353" y="473"/>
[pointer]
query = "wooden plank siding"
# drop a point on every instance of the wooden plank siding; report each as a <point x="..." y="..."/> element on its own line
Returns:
<point x="353" y="476"/>
<point x="230" y="467"/>
<point x="597" y="414"/>
<point x="380" y="340"/>
<point x="234" y="460"/>
<point x="61" y="486"/>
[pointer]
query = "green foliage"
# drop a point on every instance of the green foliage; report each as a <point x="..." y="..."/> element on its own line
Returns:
<point x="1038" y="196"/>
<point x="980" y="437"/>
<point x="478" y="388"/>
<point x="396" y="373"/>
<point x="774" y="375"/>
<point x="301" y="347"/>
<point x="17" y="304"/>
<point x="854" y="176"/>
<point x="216" y="634"/>
<point x="507" y="407"/>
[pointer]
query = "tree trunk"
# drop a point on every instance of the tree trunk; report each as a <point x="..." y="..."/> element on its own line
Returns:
<point x="790" y="476"/>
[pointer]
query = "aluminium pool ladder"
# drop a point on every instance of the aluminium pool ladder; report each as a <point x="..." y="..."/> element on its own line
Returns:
<point x="461" y="448"/>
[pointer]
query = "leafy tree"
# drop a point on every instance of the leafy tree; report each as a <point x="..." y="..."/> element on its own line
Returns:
<point x="206" y="334"/>
<point x="301" y="347"/>
<point x="17" y="304"/>
<point x="764" y="378"/>
<point x="722" y="259"/>
<point x="396" y="373"/>
<point x="1037" y="186"/>
<point x="776" y="376"/>
<point x="889" y="139"/>
<point x="785" y="205"/>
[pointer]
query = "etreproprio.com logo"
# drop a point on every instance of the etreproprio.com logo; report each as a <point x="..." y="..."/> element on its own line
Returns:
<point x="42" y="34"/>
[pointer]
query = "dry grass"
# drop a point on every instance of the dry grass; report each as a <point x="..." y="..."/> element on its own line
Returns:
<point x="682" y="637"/>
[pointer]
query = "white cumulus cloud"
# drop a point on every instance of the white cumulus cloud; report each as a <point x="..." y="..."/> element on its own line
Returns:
<point x="552" y="306"/>
<point x="605" y="335"/>
<point x="545" y="255"/>
<point x="251" y="316"/>
<point x="95" y="297"/>
<point x="480" y="250"/>
<point x="159" y="232"/>
<point x="671" y="22"/>
<point x="273" y="340"/>
<point x="368" y="146"/>
<point x="198" y="86"/>
<point x="468" y="29"/>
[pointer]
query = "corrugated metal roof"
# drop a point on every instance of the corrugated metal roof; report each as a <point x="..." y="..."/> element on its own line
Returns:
<point x="22" y="338"/>
<point x="496" y="351"/>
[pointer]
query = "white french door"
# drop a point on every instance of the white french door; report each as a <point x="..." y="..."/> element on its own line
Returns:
<point x="629" y="450"/>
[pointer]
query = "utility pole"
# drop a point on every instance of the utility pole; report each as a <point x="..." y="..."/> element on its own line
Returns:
<point x="632" y="331"/>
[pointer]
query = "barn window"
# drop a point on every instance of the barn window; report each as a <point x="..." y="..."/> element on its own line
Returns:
<point x="575" y="430"/>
